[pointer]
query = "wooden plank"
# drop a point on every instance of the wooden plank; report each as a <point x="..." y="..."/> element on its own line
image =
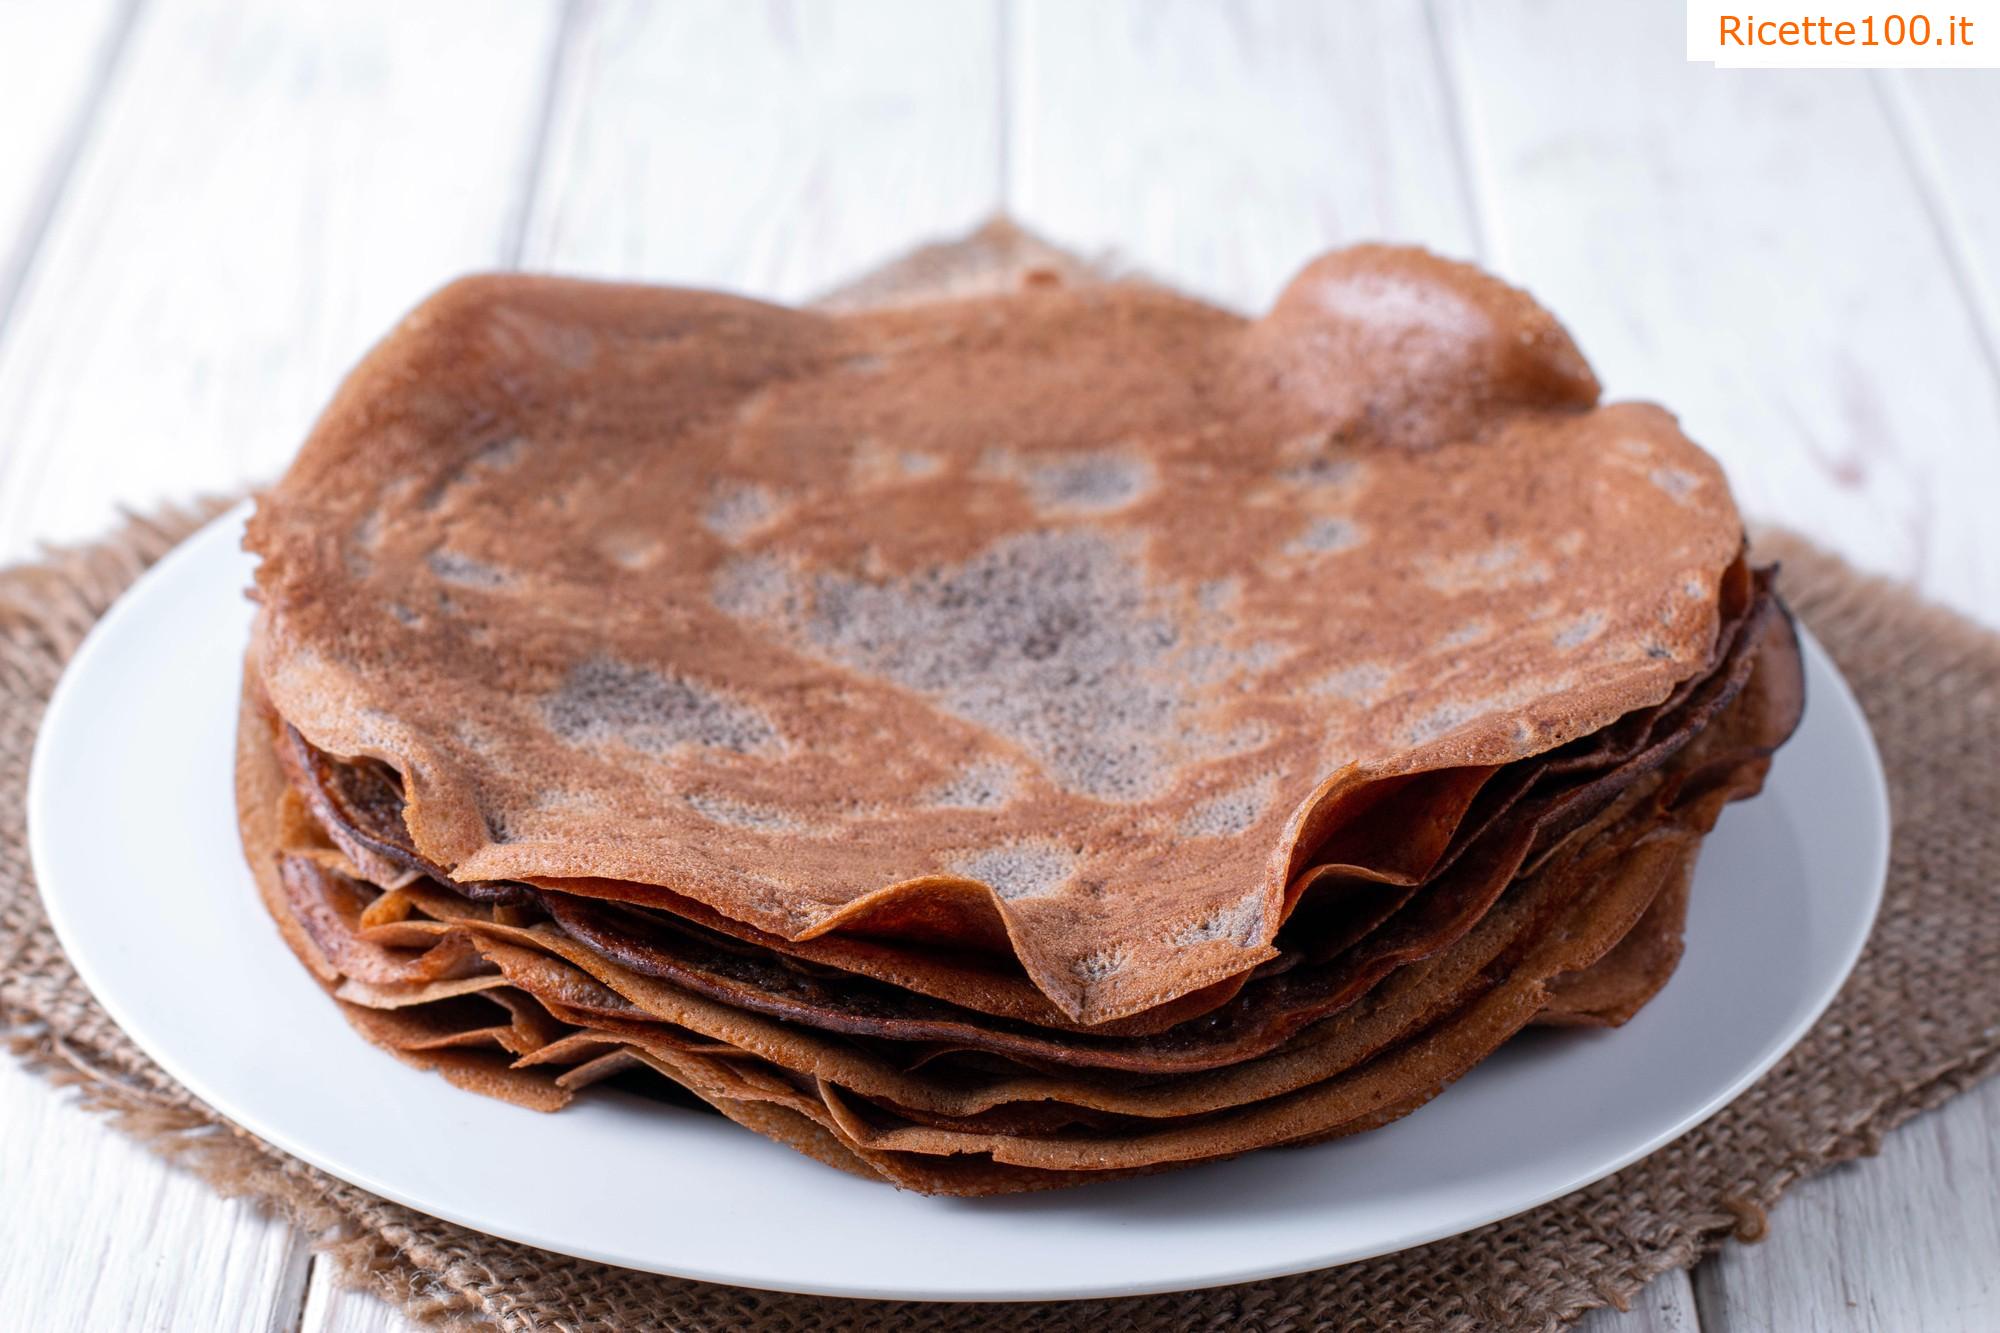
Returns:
<point x="268" y="187"/>
<point x="333" y="1308"/>
<point x="101" y="1234"/>
<point x="773" y="148"/>
<point x="1947" y="118"/>
<point x="1753" y="250"/>
<point x="1665" y="1306"/>
<point x="55" y="61"/>
<point x="264" y="190"/>
<point x="1222" y="146"/>
<point x="141" y="1245"/>
<point x="1909" y="1240"/>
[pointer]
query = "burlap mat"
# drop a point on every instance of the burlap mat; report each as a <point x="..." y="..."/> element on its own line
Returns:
<point x="1916" y="1024"/>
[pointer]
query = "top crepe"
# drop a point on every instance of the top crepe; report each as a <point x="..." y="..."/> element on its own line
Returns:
<point x="1075" y="626"/>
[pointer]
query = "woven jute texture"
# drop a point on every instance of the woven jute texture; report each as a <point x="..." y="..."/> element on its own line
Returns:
<point x="1918" y="1021"/>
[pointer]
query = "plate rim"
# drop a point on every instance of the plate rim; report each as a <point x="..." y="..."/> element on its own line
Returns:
<point x="41" y="822"/>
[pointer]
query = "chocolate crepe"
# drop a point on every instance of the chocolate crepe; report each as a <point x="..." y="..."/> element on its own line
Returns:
<point x="999" y="744"/>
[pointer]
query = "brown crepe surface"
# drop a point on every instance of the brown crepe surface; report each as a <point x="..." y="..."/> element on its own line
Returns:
<point x="1066" y="622"/>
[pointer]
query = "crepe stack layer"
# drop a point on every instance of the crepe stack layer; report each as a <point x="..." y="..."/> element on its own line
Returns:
<point x="1003" y="743"/>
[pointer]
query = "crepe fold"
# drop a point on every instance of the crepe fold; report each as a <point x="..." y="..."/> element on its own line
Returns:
<point x="1000" y="744"/>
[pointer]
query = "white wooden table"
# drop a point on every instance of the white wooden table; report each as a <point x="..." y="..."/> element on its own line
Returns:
<point x="208" y="209"/>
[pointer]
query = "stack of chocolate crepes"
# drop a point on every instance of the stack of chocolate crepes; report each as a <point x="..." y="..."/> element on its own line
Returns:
<point x="1004" y="743"/>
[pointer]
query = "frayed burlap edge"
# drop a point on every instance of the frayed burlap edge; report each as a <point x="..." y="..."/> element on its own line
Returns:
<point x="1913" y="1027"/>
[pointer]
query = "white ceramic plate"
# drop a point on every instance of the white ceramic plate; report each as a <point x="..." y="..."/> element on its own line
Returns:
<point x="132" y="824"/>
